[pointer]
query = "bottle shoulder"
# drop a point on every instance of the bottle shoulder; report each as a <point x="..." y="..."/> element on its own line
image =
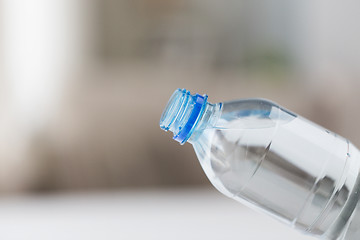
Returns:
<point x="252" y="113"/>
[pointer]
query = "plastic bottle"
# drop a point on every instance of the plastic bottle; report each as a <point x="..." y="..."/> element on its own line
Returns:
<point x="270" y="159"/>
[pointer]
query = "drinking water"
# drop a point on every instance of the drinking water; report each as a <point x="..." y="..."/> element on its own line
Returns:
<point x="270" y="159"/>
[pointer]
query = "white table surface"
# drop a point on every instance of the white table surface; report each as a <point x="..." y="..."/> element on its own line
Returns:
<point x="136" y="214"/>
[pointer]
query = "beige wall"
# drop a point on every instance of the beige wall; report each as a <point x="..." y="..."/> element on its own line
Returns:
<point x="117" y="63"/>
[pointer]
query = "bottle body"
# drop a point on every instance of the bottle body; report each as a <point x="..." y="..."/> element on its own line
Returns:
<point x="272" y="160"/>
<point x="264" y="156"/>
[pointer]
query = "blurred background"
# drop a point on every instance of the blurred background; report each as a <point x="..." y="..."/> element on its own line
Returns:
<point x="83" y="85"/>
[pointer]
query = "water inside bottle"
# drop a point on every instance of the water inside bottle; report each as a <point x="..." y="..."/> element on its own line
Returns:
<point x="253" y="161"/>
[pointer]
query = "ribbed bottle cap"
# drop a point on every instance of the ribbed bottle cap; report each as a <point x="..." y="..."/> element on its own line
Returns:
<point x="182" y="113"/>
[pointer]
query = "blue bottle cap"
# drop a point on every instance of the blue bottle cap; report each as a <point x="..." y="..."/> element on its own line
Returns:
<point x="182" y="113"/>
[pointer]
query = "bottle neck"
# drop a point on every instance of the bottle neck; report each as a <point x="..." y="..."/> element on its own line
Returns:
<point x="207" y="120"/>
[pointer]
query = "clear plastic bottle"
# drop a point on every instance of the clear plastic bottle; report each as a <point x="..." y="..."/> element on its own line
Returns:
<point x="270" y="159"/>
